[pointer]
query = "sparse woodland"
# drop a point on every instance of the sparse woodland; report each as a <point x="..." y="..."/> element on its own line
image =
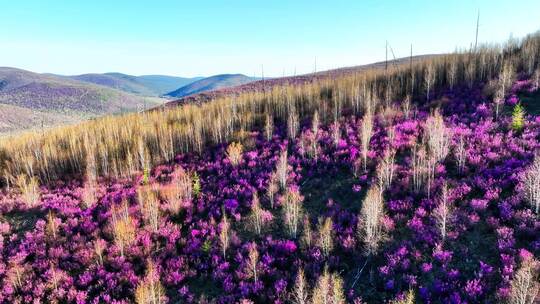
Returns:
<point x="418" y="183"/>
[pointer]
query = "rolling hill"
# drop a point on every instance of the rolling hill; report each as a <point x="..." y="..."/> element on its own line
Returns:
<point x="29" y="100"/>
<point x="212" y="83"/>
<point x="146" y="85"/>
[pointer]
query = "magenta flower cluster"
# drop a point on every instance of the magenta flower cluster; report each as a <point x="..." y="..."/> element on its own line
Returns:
<point x="64" y="251"/>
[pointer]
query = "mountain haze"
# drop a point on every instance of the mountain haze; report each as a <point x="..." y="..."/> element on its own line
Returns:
<point x="212" y="83"/>
<point x="147" y="85"/>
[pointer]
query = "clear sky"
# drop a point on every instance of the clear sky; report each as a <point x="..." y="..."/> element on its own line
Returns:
<point x="198" y="37"/>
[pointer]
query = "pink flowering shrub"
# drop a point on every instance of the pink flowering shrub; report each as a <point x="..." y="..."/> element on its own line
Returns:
<point x="66" y="251"/>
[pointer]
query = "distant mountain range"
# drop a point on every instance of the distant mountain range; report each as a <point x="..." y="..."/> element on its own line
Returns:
<point x="146" y="85"/>
<point x="30" y="100"/>
<point x="212" y="83"/>
<point x="162" y="85"/>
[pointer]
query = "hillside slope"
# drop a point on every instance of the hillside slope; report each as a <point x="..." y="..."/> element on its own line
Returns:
<point x="266" y="84"/>
<point x="212" y="83"/>
<point x="17" y="118"/>
<point x="147" y="85"/>
<point x="407" y="186"/>
<point x="332" y="193"/>
<point x="54" y="100"/>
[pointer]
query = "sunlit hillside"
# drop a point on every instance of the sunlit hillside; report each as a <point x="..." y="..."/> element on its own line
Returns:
<point x="409" y="183"/>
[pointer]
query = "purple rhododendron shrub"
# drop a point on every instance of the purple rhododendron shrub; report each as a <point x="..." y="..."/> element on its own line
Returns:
<point x="234" y="234"/>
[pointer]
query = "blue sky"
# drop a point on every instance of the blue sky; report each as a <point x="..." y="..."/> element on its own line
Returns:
<point x="191" y="38"/>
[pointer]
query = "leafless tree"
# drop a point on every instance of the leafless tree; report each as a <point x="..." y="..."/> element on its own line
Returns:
<point x="429" y="79"/>
<point x="452" y="74"/>
<point x="282" y="169"/>
<point x="256" y="215"/>
<point x="292" y="210"/>
<point x="406" y="106"/>
<point x="272" y="188"/>
<point x="123" y="227"/>
<point x="370" y="228"/>
<point x="536" y="79"/>
<point x="365" y="136"/>
<point x="532" y="185"/>
<point x="234" y="153"/>
<point x="438" y="136"/>
<point x="253" y="261"/>
<point x="498" y="100"/>
<point x="326" y="236"/>
<point x="313" y="149"/>
<point x="149" y="206"/>
<point x="336" y="132"/>
<point x="470" y="72"/>
<point x="307" y="235"/>
<point x="443" y="212"/>
<point x="506" y="77"/>
<point x="150" y="290"/>
<point x="224" y="234"/>
<point x="300" y="290"/>
<point x="420" y="167"/>
<point x="292" y="124"/>
<point x="178" y="191"/>
<point x="525" y="286"/>
<point x="337" y="290"/>
<point x="315" y="124"/>
<point x="385" y="170"/>
<point x="460" y="154"/>
<point x="329" y="289"/>
<point x="268" y="127"/>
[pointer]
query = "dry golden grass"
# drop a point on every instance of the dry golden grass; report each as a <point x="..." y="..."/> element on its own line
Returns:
<point x="29" y="189"/>
<point x="52" y="225"/>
